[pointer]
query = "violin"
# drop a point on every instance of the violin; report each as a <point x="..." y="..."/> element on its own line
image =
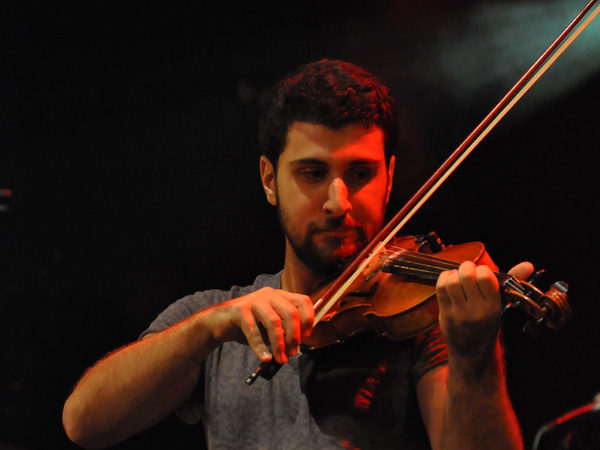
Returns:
<point x="386" y="269"/>
<point x="394" y="296"/>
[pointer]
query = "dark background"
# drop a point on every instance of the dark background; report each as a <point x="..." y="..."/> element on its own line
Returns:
<point x="128" y="140"/>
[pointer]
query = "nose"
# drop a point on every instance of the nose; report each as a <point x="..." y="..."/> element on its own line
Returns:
<point x="337" y="203"/>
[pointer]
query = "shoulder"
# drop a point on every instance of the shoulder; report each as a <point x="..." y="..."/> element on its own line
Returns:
<point x="190" y="304"/>
<point x="215" y="296"/>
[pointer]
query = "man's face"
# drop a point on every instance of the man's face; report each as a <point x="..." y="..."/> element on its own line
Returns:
<point x="331" y="189"/>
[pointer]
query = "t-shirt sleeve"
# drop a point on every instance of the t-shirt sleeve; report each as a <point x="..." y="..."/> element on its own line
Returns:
<point x="191" y="411"/>
<point x="431" y="351"/>
<point x="191" y="304"/>
<point x="184" y="308"/>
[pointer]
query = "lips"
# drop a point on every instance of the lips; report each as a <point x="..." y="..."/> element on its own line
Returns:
<point x="339" y="231"/>
<point x="346" y="229"/>
<point x="344" y="234"/>
<point x="335" y="228"/>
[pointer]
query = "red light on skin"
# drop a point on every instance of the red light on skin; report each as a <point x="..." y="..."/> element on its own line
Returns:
<point x="346" y="249"/>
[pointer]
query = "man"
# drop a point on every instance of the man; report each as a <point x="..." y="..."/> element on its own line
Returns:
<point x="327" y="137"/>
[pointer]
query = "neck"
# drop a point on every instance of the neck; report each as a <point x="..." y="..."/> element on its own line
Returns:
<point x="297" y="277"/>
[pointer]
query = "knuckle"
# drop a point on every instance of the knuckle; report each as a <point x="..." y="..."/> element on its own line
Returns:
<point x="294" y="314"/>
<point x="310" y="319"/>
<point x="274" y="322"/>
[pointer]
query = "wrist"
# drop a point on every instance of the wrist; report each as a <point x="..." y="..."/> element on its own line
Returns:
<point x="213" y="327"/>
<point x="484" y="365"/>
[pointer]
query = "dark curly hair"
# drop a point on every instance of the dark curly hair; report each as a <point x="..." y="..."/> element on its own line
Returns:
<point x="330" y="93"/>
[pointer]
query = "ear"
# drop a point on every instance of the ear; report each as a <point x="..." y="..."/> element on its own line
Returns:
<point x="390" y="179"/>
<point x="267" y="175"/>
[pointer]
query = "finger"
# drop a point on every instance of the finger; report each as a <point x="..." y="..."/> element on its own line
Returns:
<point x="454" y="287"/>
<point x="443" y="298"/>
<point x="271" y="322"/>
<point x="298" y="321"/>
<point x="488" y="285"/>
<point x="487" y="281"/>
<point x="290" y="317"/>
<point x="306" y="309"/>
<point x="522" y="270"/>
<point x="480" y="286"/>
<point x="254" y="337"/>
<point x="467" y="276"/>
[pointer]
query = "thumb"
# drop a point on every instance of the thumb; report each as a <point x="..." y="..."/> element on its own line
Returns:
<point x="522" y="270"/>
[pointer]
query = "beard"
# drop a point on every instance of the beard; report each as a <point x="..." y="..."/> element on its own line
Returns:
<point x="326" y="254"/>
<point x="332" y="253"/>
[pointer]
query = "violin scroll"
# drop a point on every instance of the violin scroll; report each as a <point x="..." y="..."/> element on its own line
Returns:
<point x="550" y="309"/>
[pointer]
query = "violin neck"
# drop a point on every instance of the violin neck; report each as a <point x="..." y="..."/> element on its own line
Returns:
<point x="427" y="267"/>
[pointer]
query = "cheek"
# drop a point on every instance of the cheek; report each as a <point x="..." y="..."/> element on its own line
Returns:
<point x="297" y="208"/>
<point x="370" y="207"/>
<point x="374" y="222"/>
<point x="300" y="200"/>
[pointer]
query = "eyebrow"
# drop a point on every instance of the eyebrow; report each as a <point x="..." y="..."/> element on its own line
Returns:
<point x="320" y="162"/>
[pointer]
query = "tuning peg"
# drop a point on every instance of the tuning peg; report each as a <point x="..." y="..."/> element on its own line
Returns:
<point x="537" y="278"/>
<point x="510" y="305"/>
<point x="561" y="286"/>
<point x="533" y="327"/>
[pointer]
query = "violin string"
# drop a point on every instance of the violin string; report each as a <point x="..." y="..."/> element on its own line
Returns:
<point x="422" y="263"/>
<point x="434" y="262"/>
<point x="428" y="260"/>
<point x="422" y="256"/>
<point x="411" y="264"/>
<point x="515" y="285"/>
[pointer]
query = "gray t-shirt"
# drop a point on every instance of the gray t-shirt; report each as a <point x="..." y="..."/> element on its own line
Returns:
<point x="356" y="395"/>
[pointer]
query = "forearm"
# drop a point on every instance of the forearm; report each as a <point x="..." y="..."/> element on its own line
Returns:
<point x="478" y="410"/>
<point x="141" y="384"/>
<point x="138" y="385"/>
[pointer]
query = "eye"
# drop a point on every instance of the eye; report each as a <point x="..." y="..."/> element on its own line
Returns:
<point x="360" y="175"/>
<point x="312" y="174"/>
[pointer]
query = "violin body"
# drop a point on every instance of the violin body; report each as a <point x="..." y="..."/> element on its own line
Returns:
<point x="394" y="305"/>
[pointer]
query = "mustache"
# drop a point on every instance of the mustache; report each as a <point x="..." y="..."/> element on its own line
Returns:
<point x="335" y="223"/>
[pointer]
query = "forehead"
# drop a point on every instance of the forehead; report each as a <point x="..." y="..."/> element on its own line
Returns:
<point x="352" y="142"/>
